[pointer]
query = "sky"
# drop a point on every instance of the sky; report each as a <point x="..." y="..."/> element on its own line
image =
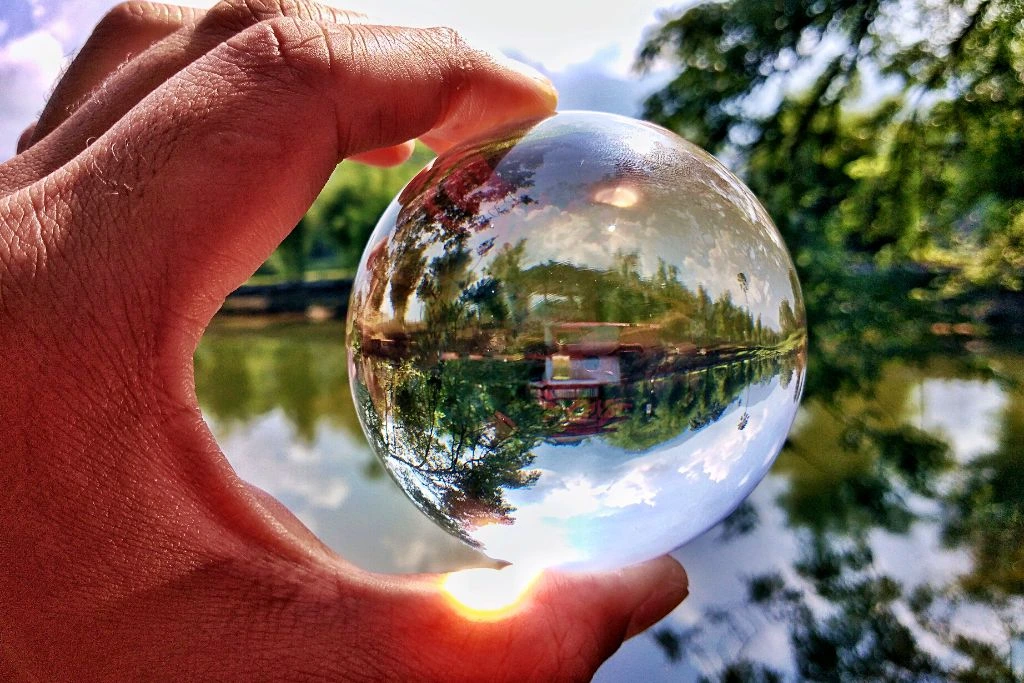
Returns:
<point x="586" y="48"/>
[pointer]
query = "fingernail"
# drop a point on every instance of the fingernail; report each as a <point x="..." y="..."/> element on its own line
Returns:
<point x="547" y="88"/>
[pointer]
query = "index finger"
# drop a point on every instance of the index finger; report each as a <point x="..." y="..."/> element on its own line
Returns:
<point x="231" y="151"/>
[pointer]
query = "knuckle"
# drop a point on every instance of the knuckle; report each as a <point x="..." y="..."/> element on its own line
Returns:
<point x="285" y="49"/>
<point x="448" y="48"/>
<point x="237" y="15"/>
<point x="445" y="38"/>
<point x="244" y="84"/>
<point x="126" y="16"/>
<point x="303" y="46"/>
<point x="456" y="60"/>
<point x="26" y="137"/>
<point x="450" y="52"/>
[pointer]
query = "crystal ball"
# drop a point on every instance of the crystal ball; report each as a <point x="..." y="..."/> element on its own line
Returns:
<point x="577" y="343"/>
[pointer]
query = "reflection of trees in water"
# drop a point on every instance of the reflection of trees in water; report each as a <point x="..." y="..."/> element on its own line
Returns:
<point x="244" y="373"/>
<point x="843" y="484"/>
<point x="986" y="510"/>
<point x="854" y="469"/>
<point x="871" y="631"/>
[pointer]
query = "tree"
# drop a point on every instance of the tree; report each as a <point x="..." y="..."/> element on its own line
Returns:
<point x="896" y="167"/>
<point x="458" y="435"/>
<point x="954" y="71"/>
<point x="334" y="231"/>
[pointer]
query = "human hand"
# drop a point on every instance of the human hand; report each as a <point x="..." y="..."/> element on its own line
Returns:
<point x="175" y="154"/>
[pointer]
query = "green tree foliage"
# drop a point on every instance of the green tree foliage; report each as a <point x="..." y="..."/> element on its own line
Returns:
<point x="334" y="231"/>
<point x="909" y="134"/>
<point x="458" y="435"/>
<point x="622" y="295"/>
<point x="886" y="138"/>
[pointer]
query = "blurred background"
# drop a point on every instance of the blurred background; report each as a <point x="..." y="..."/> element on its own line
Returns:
<point x="886" y="139"/>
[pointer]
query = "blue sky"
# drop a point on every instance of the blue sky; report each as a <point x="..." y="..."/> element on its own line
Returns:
<point x="587" y="48"/>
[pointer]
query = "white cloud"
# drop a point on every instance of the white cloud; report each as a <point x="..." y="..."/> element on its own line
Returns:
<point x="575" y="496"/>
<point x="557" y="35"/>
<point x="579" y="494"/>
<point x="973" y="427"/>
<point x="636" y="488"/>
<point x="286" y="468"/>
<point x="28" y="67"/>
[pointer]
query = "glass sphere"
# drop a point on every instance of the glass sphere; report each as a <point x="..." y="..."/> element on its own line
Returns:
<point x="578" y="343"/>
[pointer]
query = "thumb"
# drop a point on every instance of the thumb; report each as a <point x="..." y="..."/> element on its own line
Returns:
<point x="627" y="601"/>
<point x="657" y="588"/>
<point x="564" y="626"/>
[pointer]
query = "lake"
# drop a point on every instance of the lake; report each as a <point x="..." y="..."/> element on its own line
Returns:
<point x="886" y="543"/>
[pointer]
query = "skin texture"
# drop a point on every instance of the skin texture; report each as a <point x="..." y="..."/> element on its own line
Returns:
<point x="175" y="154"/>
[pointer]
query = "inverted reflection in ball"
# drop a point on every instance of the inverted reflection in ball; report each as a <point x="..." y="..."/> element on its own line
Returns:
<point x="579" y="343"/>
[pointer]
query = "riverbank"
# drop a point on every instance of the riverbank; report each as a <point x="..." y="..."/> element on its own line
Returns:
<point x="312" y="300"/>
<point x="1001" y="313"/>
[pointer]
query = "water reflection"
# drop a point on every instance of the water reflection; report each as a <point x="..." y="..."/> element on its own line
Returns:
<point x="875" y="556"/>
<point x="276" y="396"/>
<point x="825" y="573"/>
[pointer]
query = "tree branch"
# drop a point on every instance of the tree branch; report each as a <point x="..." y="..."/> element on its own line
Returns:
<point x="842" y="66"/>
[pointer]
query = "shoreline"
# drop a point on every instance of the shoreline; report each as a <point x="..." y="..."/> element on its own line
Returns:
<point x="1002" y="313"/>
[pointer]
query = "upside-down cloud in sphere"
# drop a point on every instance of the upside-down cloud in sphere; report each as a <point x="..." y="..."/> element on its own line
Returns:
<point x="577" y="343"/>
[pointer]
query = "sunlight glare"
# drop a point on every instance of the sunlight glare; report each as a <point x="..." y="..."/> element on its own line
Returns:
<point x="621" y="196"/>
<point x="488" y="591"/>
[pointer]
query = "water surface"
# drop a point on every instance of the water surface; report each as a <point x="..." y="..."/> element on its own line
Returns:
<point x="886" y="543"/>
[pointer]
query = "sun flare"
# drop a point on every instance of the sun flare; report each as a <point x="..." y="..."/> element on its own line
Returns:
<point x="489" y="592"/>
